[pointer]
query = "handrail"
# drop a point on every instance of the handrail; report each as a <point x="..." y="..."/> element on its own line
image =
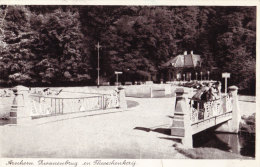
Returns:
<point x="215" y="116"/>
<point x="55" y="97"/>
<point x="86" y="93"/>
<point x="199" y="100"/>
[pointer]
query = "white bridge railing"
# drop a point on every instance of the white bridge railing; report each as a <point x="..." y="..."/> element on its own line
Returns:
<point x="42" y="102"/>
<point x="201" y="110"/>
<point x="51" y="105"/>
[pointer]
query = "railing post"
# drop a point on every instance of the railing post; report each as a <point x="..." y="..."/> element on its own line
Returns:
<point x="232" y="126"/>
<point x="151" y="91"/>
<point x="181" y="126"/>
<point x="236" y="117"/>
<point x="103" y="102"/>
<point x="14" y="108"/>
<point x="121" y="97"/>
<point x="19" y="113"/>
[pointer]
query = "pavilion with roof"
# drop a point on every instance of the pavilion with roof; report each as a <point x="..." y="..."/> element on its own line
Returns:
<point x="180" y="67"/>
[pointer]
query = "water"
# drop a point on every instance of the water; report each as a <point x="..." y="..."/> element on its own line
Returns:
<point x="243" y="144"/>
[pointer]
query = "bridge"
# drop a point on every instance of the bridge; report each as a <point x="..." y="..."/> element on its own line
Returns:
<point x="28" y="105"/>
<point x="193" y="116"/>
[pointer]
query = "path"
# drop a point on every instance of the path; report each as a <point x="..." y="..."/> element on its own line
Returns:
<point x="140" y="132"/>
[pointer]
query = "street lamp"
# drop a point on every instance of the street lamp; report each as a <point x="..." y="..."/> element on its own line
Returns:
<point x="98" y="69"/>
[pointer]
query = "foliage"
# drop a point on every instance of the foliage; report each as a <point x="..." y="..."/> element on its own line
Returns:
<point x="56" y="44"/>
<point x="247" y="124"/>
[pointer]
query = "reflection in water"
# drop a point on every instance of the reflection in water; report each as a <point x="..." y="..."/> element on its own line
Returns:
<point x="242" y="144"/>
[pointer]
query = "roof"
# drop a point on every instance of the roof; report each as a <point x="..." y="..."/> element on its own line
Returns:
<point x="189" y="60"/>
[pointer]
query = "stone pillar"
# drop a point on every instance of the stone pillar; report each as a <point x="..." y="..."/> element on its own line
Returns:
<point x="19" y="113"/>
<point x="236" y="116"/>
<point x="14" y="109"/>
<point x="232" y="126"/>
<point x="181" y="125"/>
<point x="122" y="100"/>
<point x="151" y="91"/>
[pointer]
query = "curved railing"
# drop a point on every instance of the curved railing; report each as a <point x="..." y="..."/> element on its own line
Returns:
<point x="53" y="105"/>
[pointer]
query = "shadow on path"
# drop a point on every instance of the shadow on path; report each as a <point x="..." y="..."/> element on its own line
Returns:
<point x="171" y="139"/>
<point x="131" y="103"/>
<point x="169" y="116"/>
<point x="3" y="122"/>
<point x="165" y="131"/>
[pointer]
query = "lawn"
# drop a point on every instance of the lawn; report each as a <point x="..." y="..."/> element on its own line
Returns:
<point x="208" y="153"/>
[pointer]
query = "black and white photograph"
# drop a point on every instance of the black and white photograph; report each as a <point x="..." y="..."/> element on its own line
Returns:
<point x="119" y="83"/>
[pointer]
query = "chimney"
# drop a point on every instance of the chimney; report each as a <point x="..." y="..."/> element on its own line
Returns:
<point x="185" y="53"/>
<point x="191" y="52"/>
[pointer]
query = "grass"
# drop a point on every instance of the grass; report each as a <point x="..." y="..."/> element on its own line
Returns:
<point x="209" y="153"/>
<point x="248" y="124"/>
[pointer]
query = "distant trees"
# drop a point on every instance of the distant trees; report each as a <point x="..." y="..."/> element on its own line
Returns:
<point x="16" y="53"/>
<point x="235" y="45"/>
<point x="60" y="52"/>
<point x="42" y="45"/>
<point x="43" y="48"/>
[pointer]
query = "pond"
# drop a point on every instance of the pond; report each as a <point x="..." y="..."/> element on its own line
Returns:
<point x="243" y="144"/>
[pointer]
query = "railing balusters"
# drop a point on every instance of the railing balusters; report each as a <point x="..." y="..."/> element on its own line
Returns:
<point x="211" y="107"/>
<point x="62" y="106"/>
<point x="53" y="105"/>
<point x="59" y="106"/>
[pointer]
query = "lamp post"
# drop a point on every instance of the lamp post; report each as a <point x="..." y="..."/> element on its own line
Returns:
<point x="98" y="69"/>
<point x="208" y="74"/>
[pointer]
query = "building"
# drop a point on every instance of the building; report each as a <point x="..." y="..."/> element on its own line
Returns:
<point x="180" y="67"/>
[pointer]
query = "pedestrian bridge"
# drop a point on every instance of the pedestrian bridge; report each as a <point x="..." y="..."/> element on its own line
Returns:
<point x="192" y="116"/>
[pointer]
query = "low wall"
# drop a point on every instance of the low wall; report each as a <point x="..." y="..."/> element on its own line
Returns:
<point x="154" y="90"/>
<point x="141" y="91"/>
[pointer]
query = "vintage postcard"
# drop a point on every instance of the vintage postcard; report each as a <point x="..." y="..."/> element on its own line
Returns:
<point x="129" y="83"/>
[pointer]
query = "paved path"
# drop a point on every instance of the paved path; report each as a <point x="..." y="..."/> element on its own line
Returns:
<point x="139" y="132"/>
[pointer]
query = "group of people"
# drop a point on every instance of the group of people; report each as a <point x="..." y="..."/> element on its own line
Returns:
<point x="209" y="92"/>
<point x="206" y="93"/>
